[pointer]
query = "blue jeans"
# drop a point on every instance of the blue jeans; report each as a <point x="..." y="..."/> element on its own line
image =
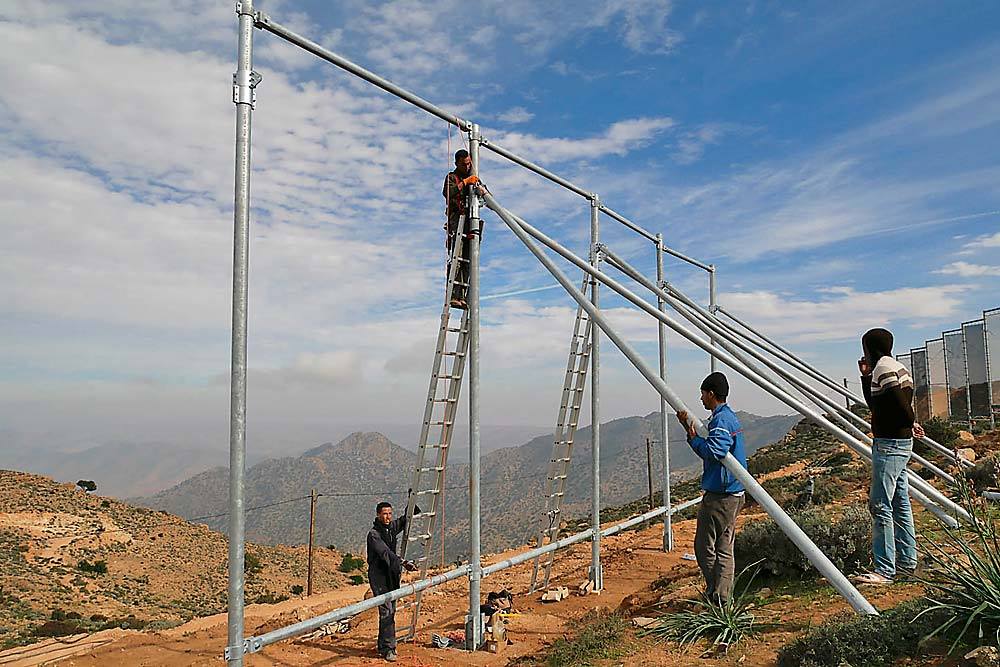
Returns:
<point x="893" y="535"/>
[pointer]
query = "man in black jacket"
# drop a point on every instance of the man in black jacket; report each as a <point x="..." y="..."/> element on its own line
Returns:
<point x="385" y="569"/>
<point x="888" y="391"/>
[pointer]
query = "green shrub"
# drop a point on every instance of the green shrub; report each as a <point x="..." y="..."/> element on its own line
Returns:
<point x="269" y="598"/>
<point x="357" y="579"/>
<point x="251" y="563"/>
<point x="724" y="624"/>
<point x="349" y="563"/>
<point x="97" y="567"/>
<point x="963" y="576"/>
<point x="297" y="589"/>
<point x="846" y="541"/>
<point x="941" y="430"/>
<point x="601" y="638"/>
<point x="56" y="629"/>
<point x="985" y="474"/>
<point x="855" y="639"/>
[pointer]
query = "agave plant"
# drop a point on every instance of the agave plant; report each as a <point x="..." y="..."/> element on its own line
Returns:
<point x="724" y="624"/>
<point x="963" y="576"/>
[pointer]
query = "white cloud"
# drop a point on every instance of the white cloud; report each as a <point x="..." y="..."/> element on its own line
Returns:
<point x="516" y="115"/>
<point x="619" y="139"/>
<point x="981" y="242"/>
<point x="844" y="313"/>
<point x="968" y="270"/>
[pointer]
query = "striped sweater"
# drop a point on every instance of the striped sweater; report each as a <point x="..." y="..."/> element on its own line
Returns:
<point x="889" y="394"/>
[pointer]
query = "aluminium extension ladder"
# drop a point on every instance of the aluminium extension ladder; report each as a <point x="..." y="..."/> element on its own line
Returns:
<point x="435" y="434"/>
<point x="562" y="446"/>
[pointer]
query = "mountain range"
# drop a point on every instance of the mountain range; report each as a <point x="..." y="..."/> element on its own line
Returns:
<point x="364" y="468"/>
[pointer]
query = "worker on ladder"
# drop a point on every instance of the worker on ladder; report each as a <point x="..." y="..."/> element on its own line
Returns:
<point x="455" y="191"/>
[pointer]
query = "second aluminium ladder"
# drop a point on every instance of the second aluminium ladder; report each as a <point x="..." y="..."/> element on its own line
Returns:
<point x="562" y="446"/>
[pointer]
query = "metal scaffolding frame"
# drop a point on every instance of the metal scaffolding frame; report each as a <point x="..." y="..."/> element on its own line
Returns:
<point x="710" y="333"/>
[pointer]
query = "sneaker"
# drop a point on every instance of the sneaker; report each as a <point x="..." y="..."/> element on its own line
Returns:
<point x="871" y="579"/>
<point x="390" y="656"/>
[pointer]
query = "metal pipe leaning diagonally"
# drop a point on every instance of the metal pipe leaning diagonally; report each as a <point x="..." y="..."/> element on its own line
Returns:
<point x="798" y="537"/>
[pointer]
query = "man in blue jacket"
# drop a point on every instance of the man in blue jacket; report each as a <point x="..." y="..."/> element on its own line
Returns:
<point x="723" y="497"/>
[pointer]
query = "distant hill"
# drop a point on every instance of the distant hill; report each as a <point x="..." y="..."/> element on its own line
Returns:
<point x="120" y="469"/>
<point x="71" y="561"/>
<point x="365" y="467"/>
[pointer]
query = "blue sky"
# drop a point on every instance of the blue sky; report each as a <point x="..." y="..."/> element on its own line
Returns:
<point x="837" y="162"/>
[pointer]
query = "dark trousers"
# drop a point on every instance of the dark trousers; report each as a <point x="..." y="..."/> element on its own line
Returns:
<point x="714" y="537"/>
<point x="386" y="618"/>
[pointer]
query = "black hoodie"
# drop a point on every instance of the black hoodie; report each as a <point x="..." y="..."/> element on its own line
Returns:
<point x="888" y="390"/>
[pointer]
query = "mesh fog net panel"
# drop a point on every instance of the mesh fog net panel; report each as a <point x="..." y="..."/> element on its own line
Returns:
<point x="979" y="377"/>
<point x="954" y="363"/>
<point x="991" y="320"/>
<point x="937" y="383"/>
<point x="905" y="360"/>
<point x="921" y="384"/>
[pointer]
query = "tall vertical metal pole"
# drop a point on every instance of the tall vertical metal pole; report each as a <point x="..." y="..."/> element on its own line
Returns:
<point x="312" y="532"/>
<point x="847" y="399"/>
<point x="668" y="533"/>
<point x="243" y="82"/>
<point x="596" y="573"/>
<point x="711" y="305"/>
<point x="474" y="628"/>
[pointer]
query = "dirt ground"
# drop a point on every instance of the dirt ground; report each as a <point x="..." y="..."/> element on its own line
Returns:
<point x="632" y="562"/>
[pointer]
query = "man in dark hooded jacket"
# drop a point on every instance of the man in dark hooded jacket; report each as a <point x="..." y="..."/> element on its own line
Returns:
<point x="888" y="391"/>
<point x="385" y="569"/>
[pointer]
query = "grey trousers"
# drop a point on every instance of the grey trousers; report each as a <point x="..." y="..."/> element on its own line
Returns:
<point x="386" y="620"/>
<point x="713" y="542"/>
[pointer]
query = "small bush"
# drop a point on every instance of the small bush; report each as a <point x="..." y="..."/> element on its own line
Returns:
<point x="845" y="541"/>
<point x="854" y="639"/>
<point x="87" y="485"/>
<point x="601" y="638"/>
<point x="97" y="567"/>
<point x="349" y="563"/>
<point x="58" y="615"/>
<point x="941" y="430"/>
<point x="251" y="563"/>
<point x="985" y="474"/>
<point x="963" y="576"/>
<point x="269" y="598"/>
<point x="357" y="578"/>
<point x="723" y="624"/>
<point x="56" y="629"/>
<point x="98" y="618"/>
<point x="105" y="503"/>
<point x="297" y="589"/>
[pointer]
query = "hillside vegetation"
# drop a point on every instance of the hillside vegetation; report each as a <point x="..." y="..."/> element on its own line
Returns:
<point x="70" y="561"/>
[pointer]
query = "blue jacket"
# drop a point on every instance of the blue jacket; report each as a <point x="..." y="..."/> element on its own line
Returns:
<point x="725" y="435"/>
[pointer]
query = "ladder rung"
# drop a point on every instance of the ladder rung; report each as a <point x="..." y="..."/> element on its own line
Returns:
<point x="457" y="330"/>
<point x="461" y="259"/>
<point x="563" y="460"/>
<point x="444" y="400"/>
<point x="557" y="477"/>
<point x="454" y="354"/>
<point x="417" y="538"/>
<point x="440" y="423"/>
<point x="431" y="469"/>
<point x="436" y="445"/>
<point x="556" y="495"/>
<point x="460" y="283"/>
<point x="427" y="492"/>
<point x="449" y="377"/>
<point x="422" y="515"/>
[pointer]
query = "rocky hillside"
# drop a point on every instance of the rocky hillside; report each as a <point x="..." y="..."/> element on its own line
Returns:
<point x="72" y="561"/>
<point x="366" y="467"/>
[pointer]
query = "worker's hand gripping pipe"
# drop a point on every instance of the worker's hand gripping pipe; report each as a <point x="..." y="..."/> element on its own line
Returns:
<point x="798" y="537"/>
